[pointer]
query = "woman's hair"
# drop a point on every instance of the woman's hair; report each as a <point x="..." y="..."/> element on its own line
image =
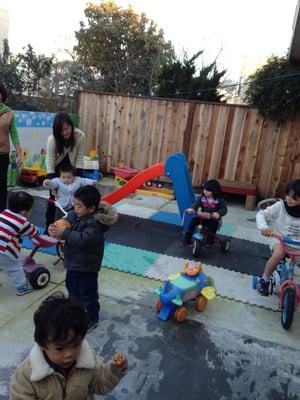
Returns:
<point x="58" y="123"/>
<point x="293" y="188"/>
<point x="3" y="92"/>
<point x="89" y="195"/>
<point x="56" y="317"/>
<point x="213" y="186"/>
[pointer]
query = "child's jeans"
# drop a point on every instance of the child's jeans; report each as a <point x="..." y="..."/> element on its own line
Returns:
<point x="84" y="286"/>
<point x="14" y="269"/>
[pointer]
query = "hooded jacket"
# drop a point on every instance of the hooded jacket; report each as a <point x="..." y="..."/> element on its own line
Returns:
<point x="84" y="241"/>
<point x="36" y="379"/>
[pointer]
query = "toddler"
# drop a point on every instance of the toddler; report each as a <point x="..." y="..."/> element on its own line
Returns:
<point x="66" y="185"/>
<point x="212" y="204"/>
<point x="284" y="218"/>
<point x="62" y="365"/>
<point x="14" y="225"/>
<point x="84" y="247"/>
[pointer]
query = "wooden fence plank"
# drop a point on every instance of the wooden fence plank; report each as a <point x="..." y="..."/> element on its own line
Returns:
<point x="221" y="141"/>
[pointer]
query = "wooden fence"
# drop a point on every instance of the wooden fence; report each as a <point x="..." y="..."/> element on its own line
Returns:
<point x="220" y="141"/>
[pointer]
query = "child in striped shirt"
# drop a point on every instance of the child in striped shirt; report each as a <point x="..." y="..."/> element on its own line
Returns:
<point x="14" y="225"/>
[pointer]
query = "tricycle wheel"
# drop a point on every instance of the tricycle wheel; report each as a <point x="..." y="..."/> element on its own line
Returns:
<point x="197" y="245"/>
<point x="225" y="245"/>
<point x="201" y="302"/>
<point x="158" y="305"/>
<point x="39" y="278"/>
<point x="180" y="314"/>
<point x="288" y="307"/>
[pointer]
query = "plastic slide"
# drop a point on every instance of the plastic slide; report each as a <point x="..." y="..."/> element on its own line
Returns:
<point x="176" y="169"/>
<point x="136" y="182"/>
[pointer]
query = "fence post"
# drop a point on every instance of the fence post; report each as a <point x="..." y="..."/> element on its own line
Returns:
<point x="188" y="130"/>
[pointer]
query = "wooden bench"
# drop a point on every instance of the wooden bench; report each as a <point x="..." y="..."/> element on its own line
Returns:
<point x="243" y="188"/>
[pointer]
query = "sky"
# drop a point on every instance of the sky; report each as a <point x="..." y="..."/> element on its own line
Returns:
<point x="241" y="33"/>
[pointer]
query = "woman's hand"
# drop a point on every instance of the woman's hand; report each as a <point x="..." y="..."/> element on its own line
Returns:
<point x="18" y="155"/>
<point x="19" y="160"/>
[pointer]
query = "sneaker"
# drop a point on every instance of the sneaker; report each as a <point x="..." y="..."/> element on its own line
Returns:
<point x="92" y="325"/>
<point x="263" y="287"/>
<point x="22" y="290"/>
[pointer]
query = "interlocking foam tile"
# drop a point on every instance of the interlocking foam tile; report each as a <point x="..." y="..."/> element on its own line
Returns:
<point x="228" y="229"/>
<point x="167" y="217"/>
<point x="136" y="211"/>
<point x="128" y="259"/>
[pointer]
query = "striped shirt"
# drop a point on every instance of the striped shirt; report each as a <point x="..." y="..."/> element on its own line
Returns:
<point x="12" y="227"/>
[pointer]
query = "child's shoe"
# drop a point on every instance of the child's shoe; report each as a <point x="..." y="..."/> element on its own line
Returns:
<point x="92" y="325"/>
<point x="263" y="287"/>
<point x="22" y="290"/>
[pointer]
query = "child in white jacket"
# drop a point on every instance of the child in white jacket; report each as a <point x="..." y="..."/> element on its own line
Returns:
<point x="66" y="185"/>
<point x="282" y="217"/>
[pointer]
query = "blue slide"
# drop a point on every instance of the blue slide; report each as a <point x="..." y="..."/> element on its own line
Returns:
<point x="176" y="168"/>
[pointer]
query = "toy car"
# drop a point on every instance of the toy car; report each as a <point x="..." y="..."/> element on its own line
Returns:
<point x="191" y="284"/>
<point x="32" y="176"/>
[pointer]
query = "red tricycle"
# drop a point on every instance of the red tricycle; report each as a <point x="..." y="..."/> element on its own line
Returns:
<point x="283" y="282"/>
<point x="37" y="274"/>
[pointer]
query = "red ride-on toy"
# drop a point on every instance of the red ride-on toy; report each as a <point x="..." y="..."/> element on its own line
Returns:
<point x="37" y="274"/>
<point x="283" y="282"/>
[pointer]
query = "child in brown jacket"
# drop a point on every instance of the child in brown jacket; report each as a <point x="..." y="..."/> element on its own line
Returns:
<point x="62" y="365"/>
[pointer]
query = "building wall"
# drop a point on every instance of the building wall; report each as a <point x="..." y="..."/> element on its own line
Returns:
<point x="4" y="25"/>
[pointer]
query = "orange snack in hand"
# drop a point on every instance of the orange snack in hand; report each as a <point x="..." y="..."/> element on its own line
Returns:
<point x="62" y="223"/>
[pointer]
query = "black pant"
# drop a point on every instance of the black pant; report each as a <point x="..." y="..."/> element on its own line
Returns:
<point x="84" y="286"/>
<point x="210" y="225"/>
<point x="4" y="163"/>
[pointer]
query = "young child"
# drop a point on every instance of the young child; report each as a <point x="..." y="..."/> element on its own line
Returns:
<point x="66" y="185"/>
<point x="212" y="204"/>
<point x="62" y="365"/>
<point x="84" y="247"/>
<point x="284" y="217"/>
<point x="14" y="225"/>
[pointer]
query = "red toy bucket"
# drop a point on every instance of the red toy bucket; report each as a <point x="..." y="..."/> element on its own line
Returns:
<point x="124" y="172"/>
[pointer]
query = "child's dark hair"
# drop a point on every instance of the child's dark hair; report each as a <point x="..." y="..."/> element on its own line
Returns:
<point x="20" y="201"/>
<point x="58" y="123"/>
<point x="56" y="316"/>
<point x="89" y="195"/>
<point x="3" y="92"/>
<point x="293" y="188"/>
<point x="213" y="186"/>
<point x="67" y="168"/>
